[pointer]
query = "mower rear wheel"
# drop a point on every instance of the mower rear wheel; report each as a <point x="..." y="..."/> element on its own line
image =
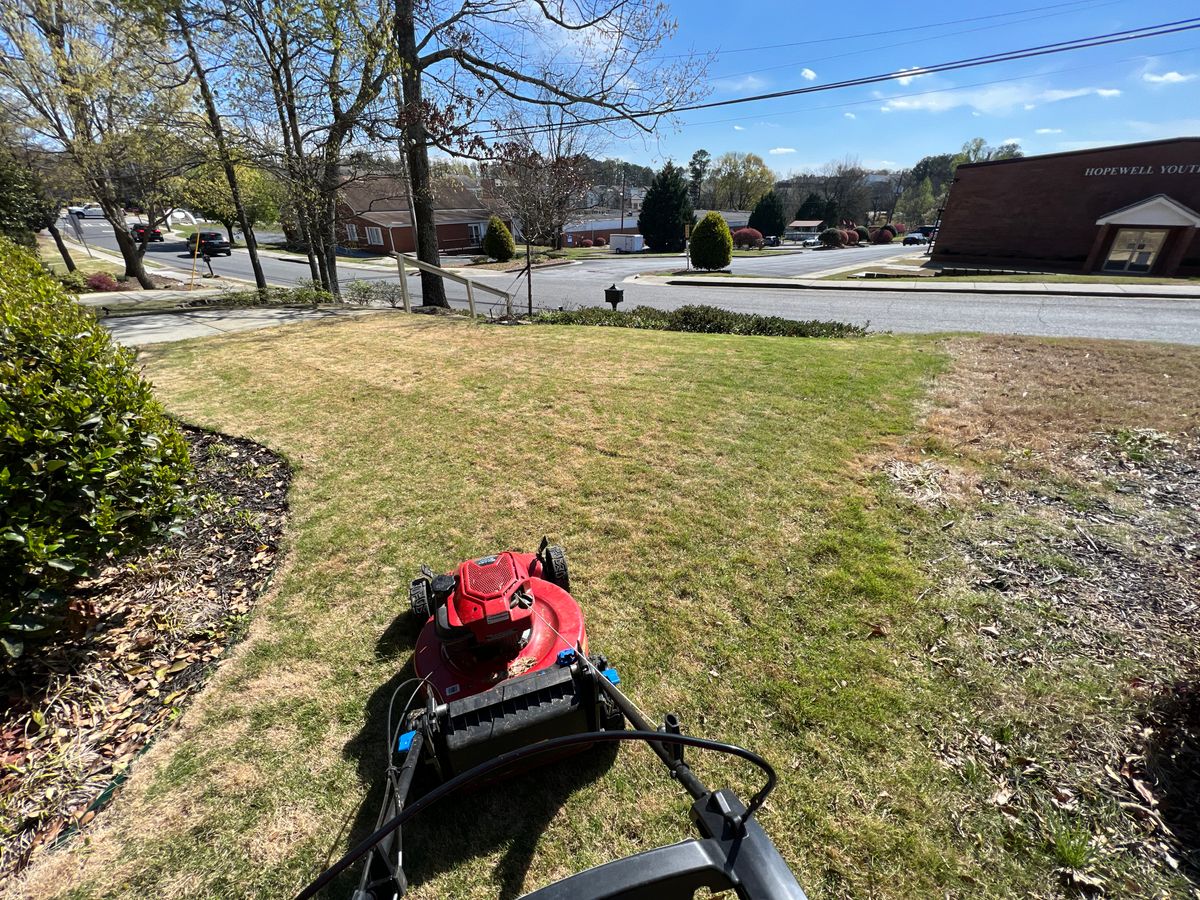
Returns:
<point x="554" y="567"/>
<point x="419" y="600"/>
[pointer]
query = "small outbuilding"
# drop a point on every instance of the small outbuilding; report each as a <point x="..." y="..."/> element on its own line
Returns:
<point x="1126" y="210"/>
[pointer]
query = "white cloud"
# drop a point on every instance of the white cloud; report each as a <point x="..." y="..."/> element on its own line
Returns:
<point x="976" y="113"/>
<point x="779" y="151"/>
<point x="1010" y="140"/>
<point x="739" y="127"/>
<point x="850" y="115"/>
<point x="1049" y="131"/>
<point x="885" y="108"/>
<point x="807" y="74"/>
<point x="739" y="85"/>
<point x="914" y="72"/>
<point x="1166" y="78"/>
<point x="995" y="99"/>
<point x="1029" y="106"/>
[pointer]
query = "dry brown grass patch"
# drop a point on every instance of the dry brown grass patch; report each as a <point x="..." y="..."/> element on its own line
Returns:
<point x="1035" y="394"/>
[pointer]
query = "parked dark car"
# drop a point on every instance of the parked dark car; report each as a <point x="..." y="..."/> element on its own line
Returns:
<point x="915" y="239"/>
<point x="211" y="244"/>
<point x="771" y="240"/>
<point x="139" y="233"/>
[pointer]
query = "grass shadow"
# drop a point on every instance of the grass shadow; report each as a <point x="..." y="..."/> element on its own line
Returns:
<point x="509" y="813"/>
<point x="1173" y="764"/>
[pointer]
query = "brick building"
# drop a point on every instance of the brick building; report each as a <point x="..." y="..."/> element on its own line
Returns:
<point x="1129" y="209"/>
<point x="373" y="215"/>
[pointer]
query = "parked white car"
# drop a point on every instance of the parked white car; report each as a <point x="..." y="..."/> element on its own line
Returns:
<point x="87" y="211"/>
<point x="812" y="241"/>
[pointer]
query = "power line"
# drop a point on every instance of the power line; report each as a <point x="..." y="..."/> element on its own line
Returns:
<point x="922" y="40"/>
<point x="867" y="34"/>
<point x="1114" y="37"/>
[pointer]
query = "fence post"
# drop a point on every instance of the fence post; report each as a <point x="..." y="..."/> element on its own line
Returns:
<point x="403" y="281"/>
<point x="470" y="297"/>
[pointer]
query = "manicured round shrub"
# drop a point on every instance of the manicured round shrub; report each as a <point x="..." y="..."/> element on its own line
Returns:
<point x="90" y="466"/>
<point x="864" y="236"/>
<point x="890" y="227"/>
<point x="498" y="241"/>
<point x="599" y="242"/>
<point x="901" y="228"/>
<point x="586" y="242"/>
<point x="711" y="247"/>
<point x="832" y="237"/>
<point x="849" y="236"/>
<point x="101" y="281"/>
<point x="883" y="236"/>
<point x="747" y="237"/>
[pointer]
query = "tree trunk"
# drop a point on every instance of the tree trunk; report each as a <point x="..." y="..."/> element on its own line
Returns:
<point x="433" y="290"/>
<point x="62" y="248"/>
<point x="133" y="259"/>
<point x="218" y="132"/>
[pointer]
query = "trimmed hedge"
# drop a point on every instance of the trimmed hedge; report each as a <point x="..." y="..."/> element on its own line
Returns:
<point x="711" y="247"/>
<point x="702" y="320"/>
<point x="748" y="237"/>
<point x="498" y="241"/>
<point x="832" y="237"/>
<point x="90" y="466"/>
<point x="864" y="236"/>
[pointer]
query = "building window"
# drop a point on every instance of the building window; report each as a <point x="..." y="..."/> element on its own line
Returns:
<point x="352" y="232"/>
<point x="1135" y="250"/>
<point x="476" y="231"/>
<point x="375" y="236"/>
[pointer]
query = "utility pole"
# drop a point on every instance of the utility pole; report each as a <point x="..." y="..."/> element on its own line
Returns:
<point x="623" y="167"/>
<point x="528" y="275"/>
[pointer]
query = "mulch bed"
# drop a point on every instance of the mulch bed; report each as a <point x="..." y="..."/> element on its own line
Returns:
<point x="76" y="715"/>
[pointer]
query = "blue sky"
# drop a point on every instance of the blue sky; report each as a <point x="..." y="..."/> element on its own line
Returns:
<point x="1141" y="90"/>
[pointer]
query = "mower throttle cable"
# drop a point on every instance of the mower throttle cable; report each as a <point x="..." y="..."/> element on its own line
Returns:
<point x="513" y="756"/>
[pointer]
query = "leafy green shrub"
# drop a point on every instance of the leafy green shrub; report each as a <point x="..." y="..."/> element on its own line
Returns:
<point x="864" y="236"/>
<point x="75" y="282"/>
<point x="700" y="319"/>
<point x="101" y="281"/>
<point x="90" y="466"/>
<point x="831" y="237"/>
<point x="498" y="242"/>
<point x="712" y="244"/>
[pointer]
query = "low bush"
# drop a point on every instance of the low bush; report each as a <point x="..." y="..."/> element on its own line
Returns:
<point x="863" y="235"/>
<point x="373" y="293"/>
<point x="75" y="282"/>
<point x="307" y="293"/>
<point x="889" y="227"/>
<point x="711" y="246"/>
<point x="901" y="228"/>
<point x="883" y="236"/>
<point x="747" y="238"/>
<point x="600" y="242"/>
<point x="586" y="242"/>
<point x="101" y="281"/>
<point x="849" y="236"/>
<point x="498" y="241"/>
<point x="832" y="237"/>
<point x="90" y="466"/>
<point x="700" y="319"/>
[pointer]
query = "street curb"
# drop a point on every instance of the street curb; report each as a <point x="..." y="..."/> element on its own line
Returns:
<point x="998" y="288"/>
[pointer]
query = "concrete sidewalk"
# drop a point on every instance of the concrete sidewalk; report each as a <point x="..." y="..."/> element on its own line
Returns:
<point x="154" y="328"/>
<point x="936" y="286"/>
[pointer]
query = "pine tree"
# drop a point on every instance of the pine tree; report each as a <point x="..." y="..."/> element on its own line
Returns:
<point x="768" y="217"/>
<point x="812" y="209"/>
<point x="666" y="210"/>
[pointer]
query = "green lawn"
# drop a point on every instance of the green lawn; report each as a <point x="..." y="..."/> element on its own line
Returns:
<point x="738" y="552"/>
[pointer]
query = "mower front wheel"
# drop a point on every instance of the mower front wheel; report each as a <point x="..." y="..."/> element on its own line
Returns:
<point x="419" y="600"/>
<point x="554" y="567"/>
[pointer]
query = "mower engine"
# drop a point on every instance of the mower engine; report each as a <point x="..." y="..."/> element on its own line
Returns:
<point x="497" y="652"/>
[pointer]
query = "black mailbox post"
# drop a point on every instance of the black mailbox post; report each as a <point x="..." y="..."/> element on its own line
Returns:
<point x="614" y="295"/>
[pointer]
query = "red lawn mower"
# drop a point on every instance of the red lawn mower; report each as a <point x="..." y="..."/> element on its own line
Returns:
<point x="504" y="680"/>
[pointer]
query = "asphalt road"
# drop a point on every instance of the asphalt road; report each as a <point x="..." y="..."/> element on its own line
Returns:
<point x="583" y="284"/>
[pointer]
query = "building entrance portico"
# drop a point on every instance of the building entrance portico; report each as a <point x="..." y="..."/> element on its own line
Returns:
<point x="1147" y="237"/>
